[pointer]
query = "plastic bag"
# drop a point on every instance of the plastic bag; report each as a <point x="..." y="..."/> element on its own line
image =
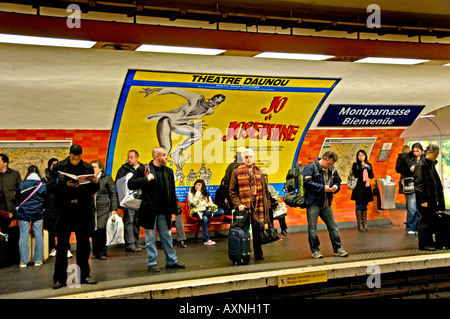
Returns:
<point x="114" y="230"/>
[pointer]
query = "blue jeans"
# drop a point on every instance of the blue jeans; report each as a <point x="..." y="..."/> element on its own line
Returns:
<point x="24" y="226"/>
<point x="412" y="213"/>
<point x="205" y="222"/>
<point x="165" y="236"/>
<point x="326" y="214"/>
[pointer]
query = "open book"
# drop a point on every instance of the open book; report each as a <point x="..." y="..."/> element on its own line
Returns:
<point x="82" y="179"/>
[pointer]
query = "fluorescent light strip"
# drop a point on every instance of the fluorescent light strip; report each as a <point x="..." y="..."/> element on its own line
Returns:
<point x="293" y="56"/>
<point x="29" y="40"/>
<point x="391" y="61"/>
<point x="182" y="50"/>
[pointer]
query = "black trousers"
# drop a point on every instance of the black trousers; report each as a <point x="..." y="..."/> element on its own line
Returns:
<point x="256" y="231"/>
<point x="82" y="254"/>
<point x="99" y="242"/>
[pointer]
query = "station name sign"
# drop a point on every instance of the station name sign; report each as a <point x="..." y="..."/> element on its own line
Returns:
<point x="349" y="115"/>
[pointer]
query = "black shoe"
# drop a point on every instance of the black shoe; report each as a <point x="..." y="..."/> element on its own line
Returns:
<point x="259" y="258"/>
<point x="100" y="257"/>
<point x="177" y="265"/>
<point x="58" y="284"/>
<point x="133" y="249"/>
<point x="284" y="233"/>
<point x="182" y="244"/>
<point x="154" y="268"/>
<point x="89" y="281"/>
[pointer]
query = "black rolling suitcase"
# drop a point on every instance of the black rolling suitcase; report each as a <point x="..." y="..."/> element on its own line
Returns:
<point x="239" y="245"/>
<point x="443" y="230"/>
<point x="4" y="260"/>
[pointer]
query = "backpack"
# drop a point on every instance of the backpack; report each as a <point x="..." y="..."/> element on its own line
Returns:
<point x="295" y="187"/>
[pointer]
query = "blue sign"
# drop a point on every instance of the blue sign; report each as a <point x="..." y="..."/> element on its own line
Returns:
<point x="349" y="115"/>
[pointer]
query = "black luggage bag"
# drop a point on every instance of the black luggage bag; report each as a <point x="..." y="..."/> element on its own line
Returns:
<point x="4" y="260"/>
<point x="443" y="230"/>
<point x="239" y="246"/>
<point x="241" y="219"/>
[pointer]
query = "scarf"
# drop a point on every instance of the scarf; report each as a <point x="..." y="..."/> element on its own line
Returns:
<point x="366" y="177"/>
<point x="245" y="190"/>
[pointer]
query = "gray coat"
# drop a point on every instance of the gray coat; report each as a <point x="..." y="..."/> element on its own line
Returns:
<point x="105" y="200"/>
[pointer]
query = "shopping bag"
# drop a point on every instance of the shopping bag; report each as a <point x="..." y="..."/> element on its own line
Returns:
<point x="128" y="198"/>
<point x="280" y="212"/>
<point x="114" y="230"/>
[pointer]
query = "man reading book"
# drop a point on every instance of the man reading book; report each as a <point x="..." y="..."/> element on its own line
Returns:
<point x="75" y="213"/>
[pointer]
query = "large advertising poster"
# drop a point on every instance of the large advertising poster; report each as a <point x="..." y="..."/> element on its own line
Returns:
<point x="203" y="119"/>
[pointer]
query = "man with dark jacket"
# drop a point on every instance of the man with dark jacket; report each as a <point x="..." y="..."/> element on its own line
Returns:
<point x="321" y="182"/>
<point x="159" y="202"/>
<point x="9" y="178"/>
<point x="429" y="196"/>
<point x="75" y="213"/>
<point x="130" y="216"/>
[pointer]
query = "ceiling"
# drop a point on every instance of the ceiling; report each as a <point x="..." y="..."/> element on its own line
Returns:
<point x="410" y="18"/>
<point x="404" y="17"/>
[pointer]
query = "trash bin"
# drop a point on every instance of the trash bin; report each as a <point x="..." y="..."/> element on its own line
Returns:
<point x="387" y="193"/>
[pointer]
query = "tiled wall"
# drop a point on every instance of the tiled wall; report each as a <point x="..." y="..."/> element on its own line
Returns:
<point x="95" y="143"/>
<point x="342" y="206"/>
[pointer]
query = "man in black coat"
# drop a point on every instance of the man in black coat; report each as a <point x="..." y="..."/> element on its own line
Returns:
<point x="429" y="196"/>
<point x="130" y="216"/>
<point x="75" y="213"/>
<point x="159" y="202"/>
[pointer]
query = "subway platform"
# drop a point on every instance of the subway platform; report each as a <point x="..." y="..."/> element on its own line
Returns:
<point x="209" y="272"/>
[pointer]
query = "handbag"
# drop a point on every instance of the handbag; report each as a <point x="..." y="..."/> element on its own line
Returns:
<point x="280" y="211"/>
<point x="128" y="198"/>
<point x="241" y="219"/>
<point x="351" y="181"/>
<point x="408" y="185"/>
<point x="114" y="230"/>
<point x="268" y="235"/>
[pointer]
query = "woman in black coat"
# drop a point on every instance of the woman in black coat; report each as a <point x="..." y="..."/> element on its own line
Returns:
<point x="105" y="203"/>
<point x="362" y="194"/>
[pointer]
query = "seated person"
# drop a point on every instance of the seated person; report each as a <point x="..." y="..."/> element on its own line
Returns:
<point x="201" y="203"/>
<point x="222" y="200"/>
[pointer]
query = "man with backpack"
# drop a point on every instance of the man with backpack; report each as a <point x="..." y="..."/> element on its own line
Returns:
<point x="321" y="182"/>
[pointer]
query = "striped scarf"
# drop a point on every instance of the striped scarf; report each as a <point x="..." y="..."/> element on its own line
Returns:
<point x="245" y="190"/>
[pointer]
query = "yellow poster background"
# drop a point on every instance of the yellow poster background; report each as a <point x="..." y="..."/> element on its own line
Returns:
<point x="288" y="106"/>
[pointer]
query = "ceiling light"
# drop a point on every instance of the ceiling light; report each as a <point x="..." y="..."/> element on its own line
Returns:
<point x="293" y="56"/>
<point x="182" y="50"/>
<point x="23" y="39"/>
<point x="391" y="61"/>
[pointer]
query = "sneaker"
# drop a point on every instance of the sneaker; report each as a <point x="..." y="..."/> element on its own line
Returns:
<point x="52" y="253"/>
<point x="69" y="254"/>
<point x="341" y="253"/>
<point x="38" y="263"/>
<point x="22" y="265"/>
<point x="317" y="254"/>
<point x="209" y="243"/>
<point x="412" y="232"/>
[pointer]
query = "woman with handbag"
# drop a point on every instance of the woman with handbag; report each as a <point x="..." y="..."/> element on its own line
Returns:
<point x="362" y="193"/>
<point x="202" y="205"/>
<point x="31" y="195"/>
<point x="406" y="168"/>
